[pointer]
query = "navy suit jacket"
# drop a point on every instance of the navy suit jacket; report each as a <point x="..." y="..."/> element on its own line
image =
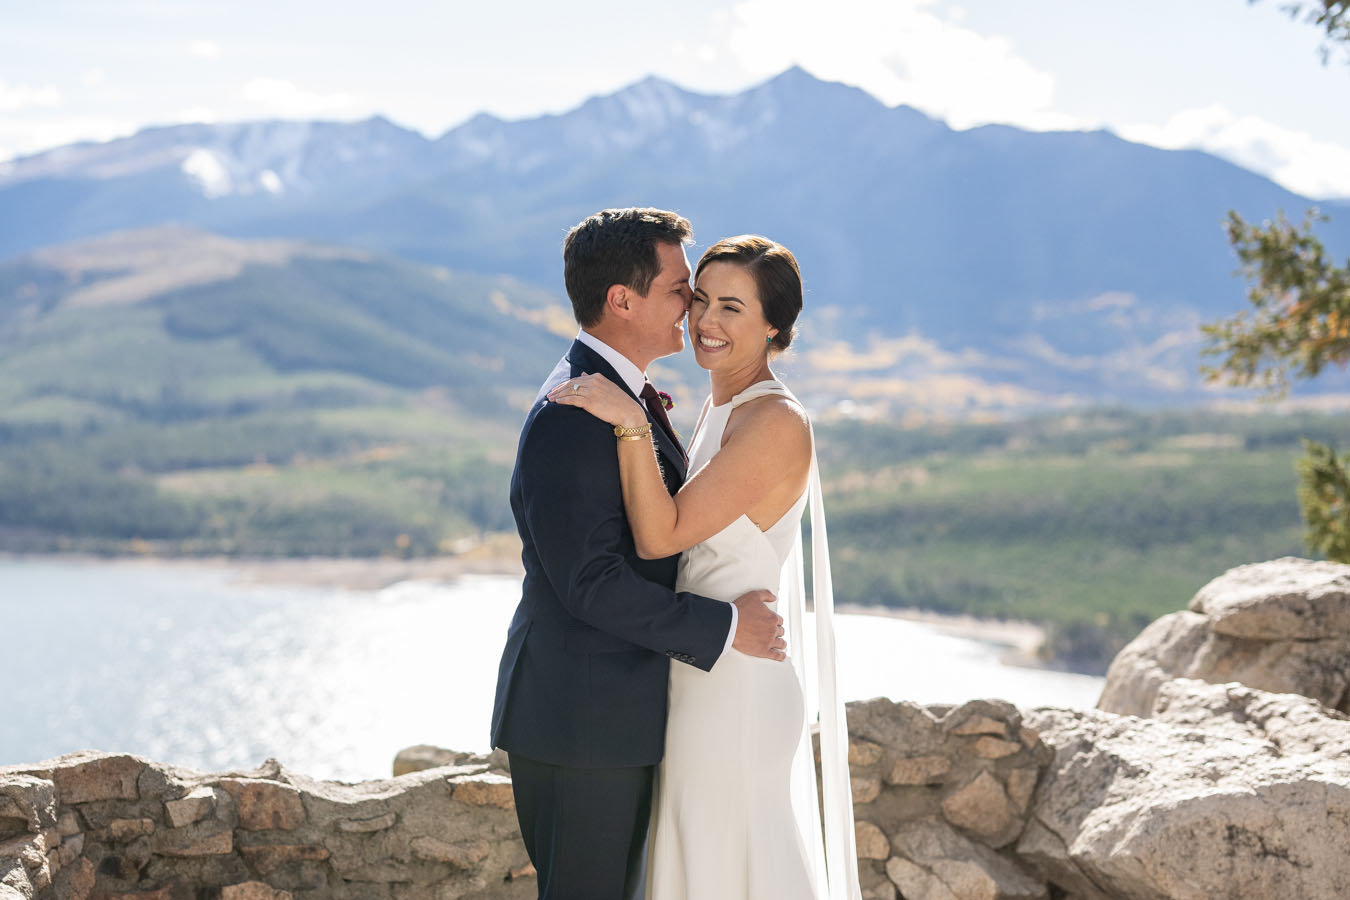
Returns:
<point x="584" y="676"/>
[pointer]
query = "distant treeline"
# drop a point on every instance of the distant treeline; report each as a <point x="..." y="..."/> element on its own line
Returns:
<point x="1094" y="524"/>
<point x="286" y="485"/>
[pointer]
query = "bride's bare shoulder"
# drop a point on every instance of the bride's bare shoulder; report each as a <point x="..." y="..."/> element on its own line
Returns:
<point x="777" y="421"/>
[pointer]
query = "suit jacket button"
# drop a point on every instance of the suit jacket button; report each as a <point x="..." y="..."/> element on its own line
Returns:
<point x="670" y="653"/>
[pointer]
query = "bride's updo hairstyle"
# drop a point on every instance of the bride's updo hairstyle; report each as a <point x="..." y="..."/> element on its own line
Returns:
<point x="776" y="275"/>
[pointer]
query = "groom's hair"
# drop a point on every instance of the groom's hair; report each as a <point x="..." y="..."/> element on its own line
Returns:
<point x="616" y="246"/>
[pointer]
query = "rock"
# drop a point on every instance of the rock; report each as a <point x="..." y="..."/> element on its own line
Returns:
<point x="982" y="808"/>
<point x="920" y="770"/>
<point x="863" y="753"/>
<point x="265" y="805"/>
<point x="27" y="805"/>
<point x="1137" y="808"/>
<point x="164" y="893"/>
<point x="267" y="858"/>
<point x="88" y="776"/>
<point x="486" y="790"/>
<point x="192" y="843"/>
<point x="1164" y="650"/>
<point x="1281" y="626"/>
<point x="934" y="862"/>
<point x="424" y="756"/>
<point x="526" y="871"/>
<point x="252" y="890"/>
<point x="197" y="805"/>
<point x="68" y="824"/>
<point x="977" y="724"/>
<point x="995" y="748"/>
<point x="70" y="849"/>
<point x="363" y="826"/>
<point x="27" y="856"/>
<point x="464" y="855"/>
<point x="1284" y="599"/>
<point x="865" y="788"/>
<point x="884" y="890"/>
<point x="427" y="756"/>
<point x="870" y="841"/>
<point x="1021" y="785"/>
<point x="129" y="829"/>
<point x="1293" y="723"/>
<point x="81" y="880"/>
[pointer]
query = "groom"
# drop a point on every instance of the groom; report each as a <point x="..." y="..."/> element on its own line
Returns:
<point x="582" y="688"/>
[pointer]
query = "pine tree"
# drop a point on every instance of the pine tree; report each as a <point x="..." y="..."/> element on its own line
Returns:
<point x="1298" y="324"/>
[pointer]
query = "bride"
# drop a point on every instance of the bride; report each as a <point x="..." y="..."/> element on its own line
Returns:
<point x="736" y="813"/>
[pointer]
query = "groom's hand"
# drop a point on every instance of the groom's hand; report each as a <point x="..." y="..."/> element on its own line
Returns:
<point x="759" y="630"/>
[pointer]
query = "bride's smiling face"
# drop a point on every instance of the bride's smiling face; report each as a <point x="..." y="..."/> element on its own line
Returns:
<point x="726" y="320"/>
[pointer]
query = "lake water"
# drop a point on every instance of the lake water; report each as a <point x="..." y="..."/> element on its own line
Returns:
<point x="180" y="665"/>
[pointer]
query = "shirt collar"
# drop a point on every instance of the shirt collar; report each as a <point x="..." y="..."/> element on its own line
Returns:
<point x="631" y="374"/>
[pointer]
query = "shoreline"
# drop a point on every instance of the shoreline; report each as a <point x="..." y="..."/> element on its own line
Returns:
<point x="1020" y="640"/>
<point x="342" y="572"/>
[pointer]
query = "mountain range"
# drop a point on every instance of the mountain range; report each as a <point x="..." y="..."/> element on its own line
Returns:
<point x="986" y="268"/>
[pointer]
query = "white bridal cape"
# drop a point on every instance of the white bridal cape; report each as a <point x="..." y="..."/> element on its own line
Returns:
<point x="736" y="811"/>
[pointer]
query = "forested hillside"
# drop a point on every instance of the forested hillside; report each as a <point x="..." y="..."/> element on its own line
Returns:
<point x="213" y="396"/>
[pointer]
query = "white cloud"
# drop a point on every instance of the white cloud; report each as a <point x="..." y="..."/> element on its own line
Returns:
<point x="286" y="98"/>
<point x="21" y="96"/>
<point x="94" y="78"/>
<point x="202" y="114"/>
<point x="23" y="136"/>
<point x="900" y="52"/>
<point x="1295" y="159"/>
<point x="204" y="49"/>
<point x="911" y="52"/>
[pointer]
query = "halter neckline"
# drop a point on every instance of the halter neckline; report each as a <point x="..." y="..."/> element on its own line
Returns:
<point x="753" y="392"/>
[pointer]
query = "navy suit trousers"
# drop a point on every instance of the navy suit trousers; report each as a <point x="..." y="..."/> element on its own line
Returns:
<point x="577" y="823"/>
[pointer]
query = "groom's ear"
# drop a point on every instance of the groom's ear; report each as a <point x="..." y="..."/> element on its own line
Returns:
<point x="618" y="301"/>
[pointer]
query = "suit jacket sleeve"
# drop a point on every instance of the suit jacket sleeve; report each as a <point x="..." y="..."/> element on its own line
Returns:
<point x="573" y="506"/>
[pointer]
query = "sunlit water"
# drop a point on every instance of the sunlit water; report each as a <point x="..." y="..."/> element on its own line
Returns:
<point x="181" y="666"/>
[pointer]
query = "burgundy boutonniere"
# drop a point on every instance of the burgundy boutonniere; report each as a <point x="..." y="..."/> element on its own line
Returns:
<point x="667" y="402"/>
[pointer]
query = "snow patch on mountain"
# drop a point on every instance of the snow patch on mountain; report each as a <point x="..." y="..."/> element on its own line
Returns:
<point x="210" y="174"/>
<point x="239" y="159"/>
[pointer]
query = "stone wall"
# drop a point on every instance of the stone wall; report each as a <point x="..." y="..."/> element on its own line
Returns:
<point x="103" y="826"/>
<point x="939" y="796"/>
<point x="1229" y="792"/>
<point x="940" y="793"/>
<point x="1220" y="790"/>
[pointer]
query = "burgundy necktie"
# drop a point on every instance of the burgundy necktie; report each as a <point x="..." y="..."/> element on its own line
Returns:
<point x="657" y="408"/>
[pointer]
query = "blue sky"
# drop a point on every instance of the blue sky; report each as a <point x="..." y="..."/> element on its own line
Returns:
<point x="1240" y="79"/>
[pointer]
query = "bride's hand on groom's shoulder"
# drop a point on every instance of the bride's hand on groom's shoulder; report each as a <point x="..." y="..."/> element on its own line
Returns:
<point x="759" y="630"/>
<point x="601" y="398"/>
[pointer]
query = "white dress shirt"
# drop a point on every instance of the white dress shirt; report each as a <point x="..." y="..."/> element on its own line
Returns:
<point x="635" y="378"/>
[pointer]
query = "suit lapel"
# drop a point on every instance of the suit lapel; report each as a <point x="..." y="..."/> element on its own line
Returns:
<point x="584" y="360"/>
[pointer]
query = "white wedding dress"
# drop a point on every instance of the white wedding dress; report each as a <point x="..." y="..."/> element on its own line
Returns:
<point x="735" y="814"/>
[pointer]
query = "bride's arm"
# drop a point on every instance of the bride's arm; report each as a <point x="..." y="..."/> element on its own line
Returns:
<point x="770" y="443"/>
